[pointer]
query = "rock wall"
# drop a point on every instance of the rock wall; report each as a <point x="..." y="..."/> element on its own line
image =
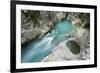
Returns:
<point x="35" y="24"/>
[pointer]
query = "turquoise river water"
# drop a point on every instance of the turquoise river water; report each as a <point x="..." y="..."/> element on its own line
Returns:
<point x="37" y="50"/>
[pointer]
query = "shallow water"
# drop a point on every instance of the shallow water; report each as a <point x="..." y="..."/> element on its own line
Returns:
<point x="37" y="50"/>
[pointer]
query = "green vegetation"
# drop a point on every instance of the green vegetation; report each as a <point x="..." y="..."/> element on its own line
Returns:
<point x="73" y="47"/>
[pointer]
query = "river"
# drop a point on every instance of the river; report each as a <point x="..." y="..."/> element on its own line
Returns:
<point x="37" y="50"/>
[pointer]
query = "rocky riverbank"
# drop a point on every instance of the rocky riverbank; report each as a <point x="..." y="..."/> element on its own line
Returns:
<point x="35" y="24"/>
<point x="62" y="52"/>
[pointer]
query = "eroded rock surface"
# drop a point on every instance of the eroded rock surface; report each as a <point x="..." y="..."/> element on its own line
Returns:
<point x="35" y="24"/>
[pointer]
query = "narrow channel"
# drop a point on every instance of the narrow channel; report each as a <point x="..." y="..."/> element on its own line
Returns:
<point x="37" y="50"/>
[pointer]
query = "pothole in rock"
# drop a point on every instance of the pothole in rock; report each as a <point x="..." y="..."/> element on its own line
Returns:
<point x="73" y="46"/>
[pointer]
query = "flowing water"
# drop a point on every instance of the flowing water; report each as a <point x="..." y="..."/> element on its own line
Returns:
<point x="37" y="50"/>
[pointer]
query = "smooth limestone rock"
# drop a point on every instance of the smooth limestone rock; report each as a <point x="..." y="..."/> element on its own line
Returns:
<point x="61" y="53"/>
<point x="73" y="47"/>
<point x="83" y="39"/>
